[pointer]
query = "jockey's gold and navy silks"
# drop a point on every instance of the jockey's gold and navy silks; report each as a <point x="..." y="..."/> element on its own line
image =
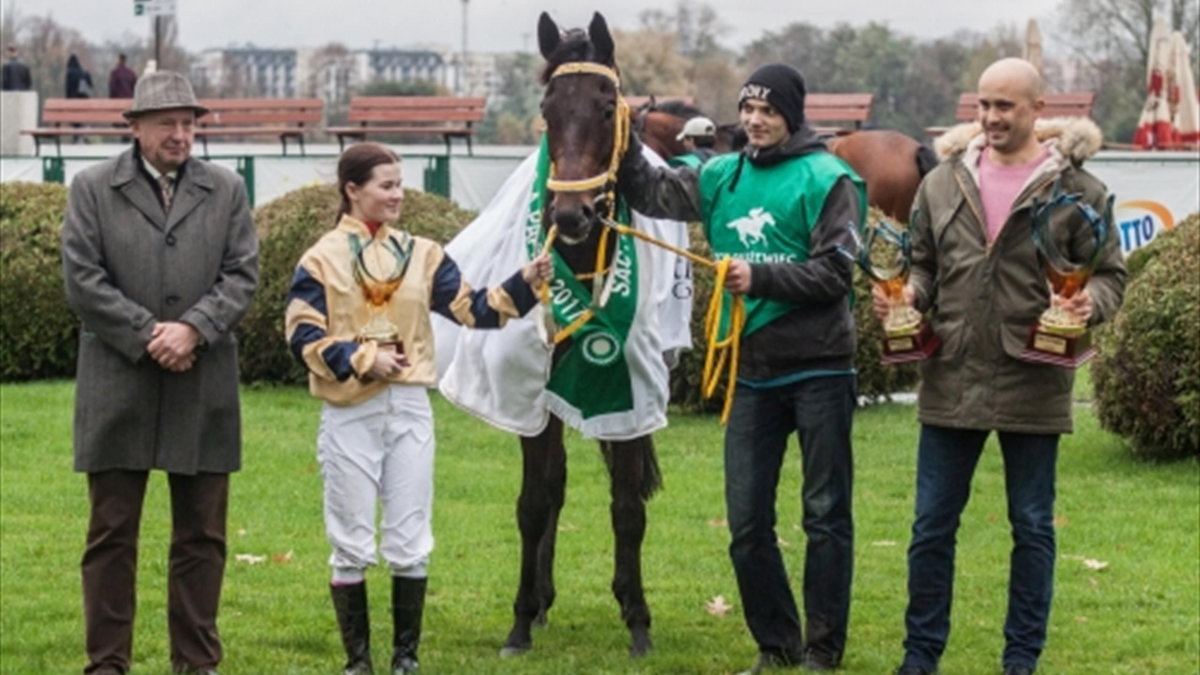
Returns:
<point x="326" y="309"/>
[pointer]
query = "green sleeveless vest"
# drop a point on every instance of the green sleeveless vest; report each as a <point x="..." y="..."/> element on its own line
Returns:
<point x="769" y="216"/>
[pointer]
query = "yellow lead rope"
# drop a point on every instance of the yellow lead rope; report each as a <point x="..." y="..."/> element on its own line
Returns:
<point x="719" y="355"/>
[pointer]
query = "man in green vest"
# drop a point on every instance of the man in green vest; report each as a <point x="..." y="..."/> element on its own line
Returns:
<point x="785" y="210"/>
<point x="699" y="138"/>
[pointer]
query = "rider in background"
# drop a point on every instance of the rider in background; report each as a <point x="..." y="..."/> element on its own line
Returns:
<point x="699" y="136"/>
<point x="796" y="367"/>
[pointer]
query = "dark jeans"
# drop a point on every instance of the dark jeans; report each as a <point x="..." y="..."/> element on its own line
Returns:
<point x="820" y="410"/>
<point x="946" y="460"/>
<point x="196" y="567"/>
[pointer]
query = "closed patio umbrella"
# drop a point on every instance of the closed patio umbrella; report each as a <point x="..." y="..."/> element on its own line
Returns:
<point x="1181" y="94"/>
<point x="1154" y="125"/>
<point x="1033" y="44"/>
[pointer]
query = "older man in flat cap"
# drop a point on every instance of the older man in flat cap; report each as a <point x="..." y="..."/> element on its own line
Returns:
<point x="160" y="263"/>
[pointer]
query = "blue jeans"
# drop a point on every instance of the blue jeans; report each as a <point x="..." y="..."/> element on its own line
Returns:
<point x="946" y="460"/>
<point x="820" y="410"/>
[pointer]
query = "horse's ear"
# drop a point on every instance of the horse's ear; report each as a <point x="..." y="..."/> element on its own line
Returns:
<point x="602" y="41"/>
<point x="549" y="36"/>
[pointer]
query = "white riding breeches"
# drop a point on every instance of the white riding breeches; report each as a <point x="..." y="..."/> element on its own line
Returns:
<point x="380" y="450"/>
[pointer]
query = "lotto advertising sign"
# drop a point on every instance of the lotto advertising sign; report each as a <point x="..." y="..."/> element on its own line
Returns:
<point x="1154" y="191"/>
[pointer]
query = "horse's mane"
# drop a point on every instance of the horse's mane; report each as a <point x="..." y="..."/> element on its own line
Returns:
<point x="678" y="109"/>
<point x="576" y="46"/>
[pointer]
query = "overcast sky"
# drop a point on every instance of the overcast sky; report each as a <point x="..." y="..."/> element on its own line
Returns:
<point x="505" y="25"/>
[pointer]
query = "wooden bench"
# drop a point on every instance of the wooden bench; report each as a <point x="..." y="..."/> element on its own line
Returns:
<point x="282" y="118"/>
<point x="79" y="117"/>
<point x="447" y="116"/>
<point x="1067" y="104"/>
<point x="822" y="109"/>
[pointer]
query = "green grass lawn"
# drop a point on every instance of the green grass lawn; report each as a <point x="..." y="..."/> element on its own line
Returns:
<point x="1140" y="614"/>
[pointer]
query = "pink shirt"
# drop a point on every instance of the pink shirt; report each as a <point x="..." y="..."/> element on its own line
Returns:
<point x="999" y="186"/>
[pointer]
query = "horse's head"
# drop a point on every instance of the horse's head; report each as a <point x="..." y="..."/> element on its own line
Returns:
<point x="586" y="124"/>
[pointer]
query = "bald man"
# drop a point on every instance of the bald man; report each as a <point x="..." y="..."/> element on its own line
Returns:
<point x="977" y="273"/>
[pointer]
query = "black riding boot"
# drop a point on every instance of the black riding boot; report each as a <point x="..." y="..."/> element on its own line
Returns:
<point x="350" y="603"/>
<point x="408" y="603"/>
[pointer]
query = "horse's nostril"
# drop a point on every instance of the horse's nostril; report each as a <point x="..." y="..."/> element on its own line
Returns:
<point x="588" y="212"/>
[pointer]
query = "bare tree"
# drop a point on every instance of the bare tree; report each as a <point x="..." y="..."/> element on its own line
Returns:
<point x="1101" y="29"/>
<point x="1110" y="42"/>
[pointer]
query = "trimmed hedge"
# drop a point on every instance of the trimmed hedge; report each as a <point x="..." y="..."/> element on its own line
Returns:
<point x="38" y="332"/>
<point x="1147" y="376"/>
<point x="287" y="226"/>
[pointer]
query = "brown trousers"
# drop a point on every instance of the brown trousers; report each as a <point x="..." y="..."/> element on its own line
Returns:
<point x="196" y="567"/>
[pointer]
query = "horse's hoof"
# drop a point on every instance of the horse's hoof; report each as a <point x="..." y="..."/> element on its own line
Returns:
<point x="641" y="646"/>
<point x="509" y="651"/>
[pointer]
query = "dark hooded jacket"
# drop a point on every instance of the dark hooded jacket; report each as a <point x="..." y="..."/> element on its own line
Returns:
<point x="819" y="334"/>
<point x="79" y="81"/>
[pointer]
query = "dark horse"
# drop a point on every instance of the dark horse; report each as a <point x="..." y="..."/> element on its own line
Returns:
<point x="580" y="110"/>
<point x="891" y="163"/>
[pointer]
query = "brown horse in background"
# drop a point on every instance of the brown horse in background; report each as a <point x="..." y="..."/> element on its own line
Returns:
<point x="891" y="163"/>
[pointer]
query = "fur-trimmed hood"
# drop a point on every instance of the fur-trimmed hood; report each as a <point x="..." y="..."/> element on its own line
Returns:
<point x="1077" y="138"/>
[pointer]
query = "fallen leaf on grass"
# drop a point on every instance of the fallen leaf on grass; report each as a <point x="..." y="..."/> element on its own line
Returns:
<point x="250" y="558"/>
<point x="1060" y="521"/>
<point x="718" y="522"/>
<point x="991" y="517"/>
<point x="883" y="542"/>
<point x="1090" y="563"/>
<point x="242" y="532"/>
<point x="783" y="543"/>
<point x="1081" y="619"/>
<point x="567" y="527"/>
<point x="717" y="606"/>
<point x="282" y="558"/>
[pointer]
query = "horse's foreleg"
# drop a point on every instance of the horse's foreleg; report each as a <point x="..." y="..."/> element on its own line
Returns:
<point x="542" y="485"/>
<point x="556" y="483"/>
<point x="629" y="465"/>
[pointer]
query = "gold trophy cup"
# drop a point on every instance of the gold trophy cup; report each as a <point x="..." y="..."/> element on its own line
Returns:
<point x="378" y="290"/>
<point x="907" y="336"/>
<point x="1060" y="338"/>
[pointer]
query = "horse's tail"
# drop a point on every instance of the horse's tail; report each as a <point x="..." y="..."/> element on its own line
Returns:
<point x="647" y="458"/>
<point x="927" y="159"/>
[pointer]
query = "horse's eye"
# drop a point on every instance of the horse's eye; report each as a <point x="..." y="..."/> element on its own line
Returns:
<point x="608" y="113"/>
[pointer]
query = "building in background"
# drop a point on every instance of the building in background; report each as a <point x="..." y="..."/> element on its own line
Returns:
<point x="334" y="73"/>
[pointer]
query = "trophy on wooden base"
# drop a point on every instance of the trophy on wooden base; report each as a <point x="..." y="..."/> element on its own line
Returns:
<point x="907" y="336"/>
<point x="1060" y="338"/>
<point x="378" y="288"/>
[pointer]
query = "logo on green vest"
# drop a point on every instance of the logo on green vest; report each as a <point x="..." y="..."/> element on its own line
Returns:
<point x="601" y="348"/>
<point x="750" y="228"/>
